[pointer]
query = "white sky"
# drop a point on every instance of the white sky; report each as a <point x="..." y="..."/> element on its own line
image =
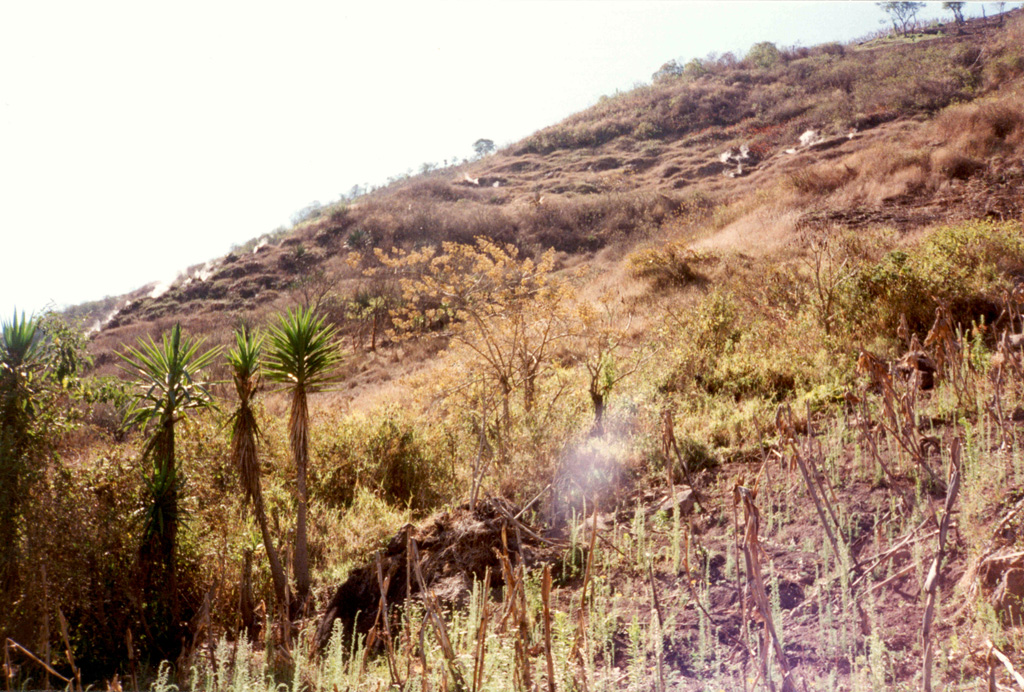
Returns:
<point x="138" y="138"/>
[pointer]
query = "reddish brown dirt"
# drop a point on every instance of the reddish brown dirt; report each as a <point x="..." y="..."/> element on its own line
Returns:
<point x="455" y="548"/>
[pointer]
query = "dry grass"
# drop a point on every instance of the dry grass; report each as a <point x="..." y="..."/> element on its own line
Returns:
<point x="821" y="179"/>
<point x="806" y="88"/>
<point x="984" y="128"/>
<point x="954" y="165"/>
<point x="911" y="162"/>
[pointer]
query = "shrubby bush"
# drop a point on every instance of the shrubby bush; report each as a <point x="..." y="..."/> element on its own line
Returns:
<point x="671" y="264"/>
<point x="384" y="452"/>
<point x="764" y="55"/>
<point x="966" y="267"/>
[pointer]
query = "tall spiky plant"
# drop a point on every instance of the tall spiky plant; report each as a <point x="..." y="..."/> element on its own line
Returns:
<point x="168" y="377"/>
<point x="303" y="357"/>
<point x="244" y="360"/>
<point x="20" y="362"/>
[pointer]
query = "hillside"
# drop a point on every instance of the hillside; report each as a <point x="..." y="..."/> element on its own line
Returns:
<point x="717" y="384"/>
<point x="627" y="169"/>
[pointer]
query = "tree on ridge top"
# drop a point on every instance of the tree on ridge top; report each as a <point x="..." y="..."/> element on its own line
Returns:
<point x="901" y="14"/>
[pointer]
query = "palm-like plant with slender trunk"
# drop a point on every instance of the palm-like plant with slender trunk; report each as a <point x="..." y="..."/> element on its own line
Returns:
<point x="20" y="362"/>
<point x="303" y="357"/>
<point x="244" y="360"/>
<point x="169" y="383"/>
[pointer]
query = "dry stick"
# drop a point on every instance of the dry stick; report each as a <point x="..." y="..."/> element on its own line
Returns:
<point x="932" y="581"/>
<point x="661" y="624"/>
<point x="605" y="541"/>
<point x="545" y="593"/>
<point x="869" y="439"/>
<point x="996" y="406"/>
<point x="900" y="425"/>
<point x="481" y="633"/>
<point x="811" y="486"/>
<point x="422" y="636"/>
<point x="809" y="482"/>
<point x="530" y="503"/>
<point x="590" y="564"/>
<point x="907" y="539"/>
<point x="46" y="621"/>
<point x="1008" y="518"/>
<point x="371" y="639"/>
<point x="967" y="581"/>
<point x="994" y="652"/>
<point x="520" y="527"/>
<point x="893" y="578"/>
<point x="508" y="604"/>
<point x="991" y="675"/>
<point x="406" y="613"/>
<point x="741" y="595"/>
<point x="579" y="646"/>
<point x="878" y="559"/>
<point x="741" y="639"/>
<point x="131" y="659"/>
<point x="67" y="649"/>
<point x="812" y="445"/>
<point x="522" y="644"/>
<point x="438" y="622"/>
<point x="382" y="612"/>
<point x="751" y="551"/>
<point x="689" y="584"/>
<point x="10" y="671"/>
<point x="671" y="437"/>
<point x="508" y="576"/>
<point x="512" y="585"/>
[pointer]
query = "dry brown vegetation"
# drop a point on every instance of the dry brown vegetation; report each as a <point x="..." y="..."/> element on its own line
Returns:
<point x="701" y="421"/>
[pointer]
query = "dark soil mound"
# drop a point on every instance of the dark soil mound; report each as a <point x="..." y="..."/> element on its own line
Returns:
<point x="455" y="547"/>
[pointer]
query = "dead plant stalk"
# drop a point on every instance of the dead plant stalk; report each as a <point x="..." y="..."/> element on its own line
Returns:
<point x="751" y="555"/>
<point x="784" y="422"/>
<point x="932" y="581"/>
<point x="437" y="621"/>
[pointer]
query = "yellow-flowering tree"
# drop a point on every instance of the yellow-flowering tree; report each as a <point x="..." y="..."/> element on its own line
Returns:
<point x="507" y="317"/>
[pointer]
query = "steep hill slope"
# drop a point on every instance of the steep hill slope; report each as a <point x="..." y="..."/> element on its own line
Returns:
<point x="701" y="142"/>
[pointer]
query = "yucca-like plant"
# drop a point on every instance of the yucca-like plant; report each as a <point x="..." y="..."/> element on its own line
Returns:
<point x="20" y="361"/>
<point x="168" y="378"/>
<point x="303" y="357"/>
<point x="244" y="360"/>
<point x="19" y="347"/>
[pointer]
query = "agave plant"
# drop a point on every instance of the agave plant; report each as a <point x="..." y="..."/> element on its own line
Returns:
<point x="244" y="360"/>
<point x="303" y="357"/>
<point x="168" y="380"/>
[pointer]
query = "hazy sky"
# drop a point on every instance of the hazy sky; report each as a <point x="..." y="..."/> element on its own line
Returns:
<point x="138" y="138"/>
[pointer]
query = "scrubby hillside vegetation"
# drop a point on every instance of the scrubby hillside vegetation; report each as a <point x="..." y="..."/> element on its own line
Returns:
<point x="715" y="385"/>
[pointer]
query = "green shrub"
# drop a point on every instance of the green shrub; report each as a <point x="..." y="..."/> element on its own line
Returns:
<point x="700" y="337"/>
<point x="396" y="462"/>
<point x="696" y="454"/>
<point x="755" y="368"/>
<point x="764" y="55"/>
<point x="647" y="130"/>
<point x="967" y="267"/>
<point x="383" y="452"/>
